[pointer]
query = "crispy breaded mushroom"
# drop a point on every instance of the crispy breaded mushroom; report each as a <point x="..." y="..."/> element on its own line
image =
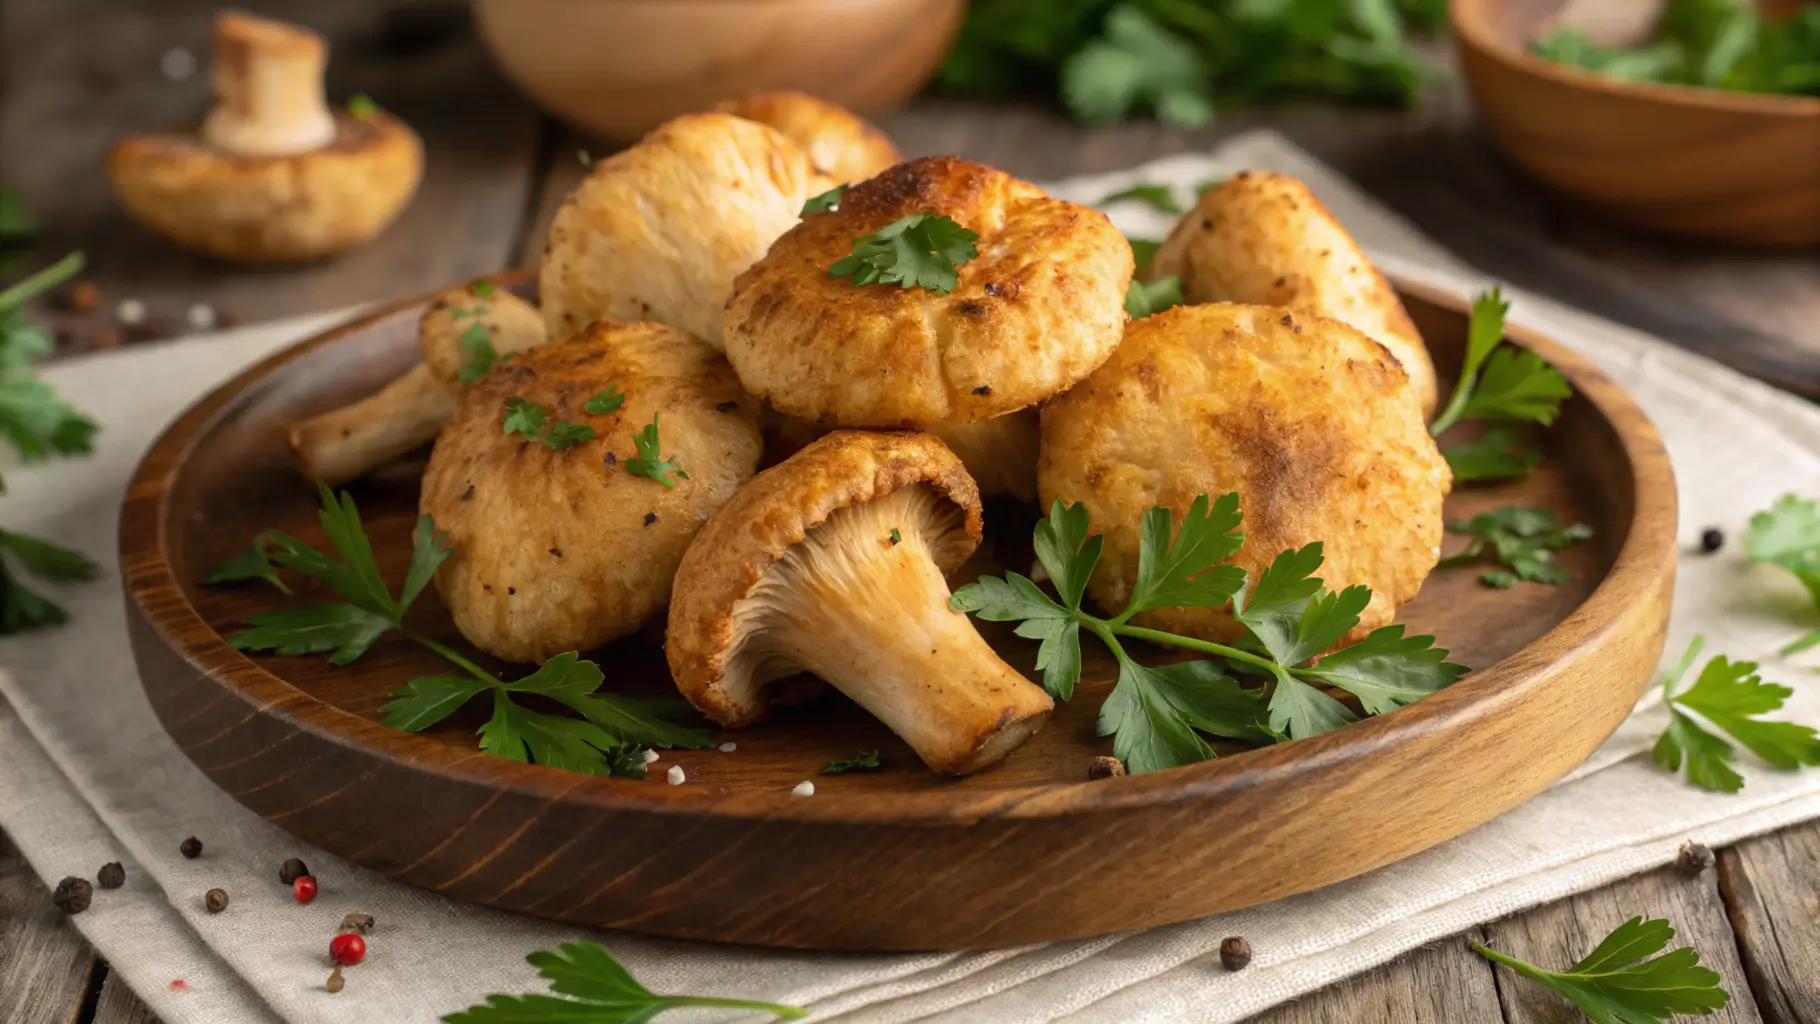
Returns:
<point x="658" y="231"/>
<point x="833" y="562"/>
<point x="1310" y="421"/>
<point x="273" y="175"/>
<point x="356" y="439"/>
<point x="1264" y="238"/>
<point x="564" y="549"/>
<point x="841" y="144"/>
<point x="1040" y="306"/>
<point x="999" y="453"/>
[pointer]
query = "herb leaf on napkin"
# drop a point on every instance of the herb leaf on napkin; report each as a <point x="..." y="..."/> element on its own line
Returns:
<point x="1727" y="695"/>
<point x="598" y="990"/>
<point x="1617" y="983"/>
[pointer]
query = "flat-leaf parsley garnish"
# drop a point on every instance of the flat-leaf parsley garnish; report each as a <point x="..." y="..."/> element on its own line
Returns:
<point x="1617" y="983"/>
<point x="918" y="251"/>
<point x="649" y="462"/>
<point x="593" y="988"/>
<point x="1728" y="695"/>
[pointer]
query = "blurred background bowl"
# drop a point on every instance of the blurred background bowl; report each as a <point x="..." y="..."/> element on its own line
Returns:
<point x="1738" y="167"/>
<point x="620" y="67"/>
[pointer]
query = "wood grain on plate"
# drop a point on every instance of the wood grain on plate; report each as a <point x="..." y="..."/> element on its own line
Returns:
<point x="899" y="858"/>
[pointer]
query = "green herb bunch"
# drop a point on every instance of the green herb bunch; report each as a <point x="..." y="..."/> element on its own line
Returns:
<point x="1713" y="44"/>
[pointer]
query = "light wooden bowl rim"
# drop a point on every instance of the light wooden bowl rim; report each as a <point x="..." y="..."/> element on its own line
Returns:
<point x="1644" y="559"/>
<point x="1472" y="27"/>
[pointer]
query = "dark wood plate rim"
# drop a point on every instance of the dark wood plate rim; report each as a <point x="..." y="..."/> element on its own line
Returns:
<point x="1647" y="553"/>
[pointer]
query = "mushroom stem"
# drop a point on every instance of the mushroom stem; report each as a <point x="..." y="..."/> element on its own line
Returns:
<point x="344" y="443"/>
<point x="870" y="615"/>
<point x="268" y="88"/>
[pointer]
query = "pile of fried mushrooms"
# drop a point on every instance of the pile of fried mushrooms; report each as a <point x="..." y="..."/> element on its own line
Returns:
<point x="684" y="276"/>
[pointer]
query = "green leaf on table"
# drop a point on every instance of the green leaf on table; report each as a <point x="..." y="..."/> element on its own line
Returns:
<point x="47" y="560"/>
<point x="1617" y="983"/>
<point x="1523" y="540"/>
<point x="1728" y="695"/>
<point x="1158" y="197"/>
<point x="1503" y="452"/>
<point x="918" y="251"/>
<point x="428" y="551"/>
<point x="343" y="629"/>
<point x="1787" y="534"/>
<point x="253" y="562"/>
<point x="1066" y="551"/>
<point x="426" y="701"/>
<point x="1156" y="715"/>
<point x="1518" y="385"/>
<point x="1388" y="670"/>
<point x="862" y="760"/>
<point x="598" y="990"/>
<point x="1144" y="298"/>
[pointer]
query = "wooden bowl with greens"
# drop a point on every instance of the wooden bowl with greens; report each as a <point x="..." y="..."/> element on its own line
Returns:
<point x="1706" y="123"/>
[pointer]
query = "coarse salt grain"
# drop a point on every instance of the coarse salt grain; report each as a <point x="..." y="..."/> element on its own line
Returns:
<point x="675" y="775"/>
<point x="728" y="748"/>
<point x="804" y="788"/>
<point x="201" y="316"/>
<point x="130" y="311"/>
<point x="650" y="755"/>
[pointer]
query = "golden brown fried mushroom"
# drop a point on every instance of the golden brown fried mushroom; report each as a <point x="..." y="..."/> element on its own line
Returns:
<point x="833" y="562"/>
<point x="999" y="453"/>
<point x="1312" y="422"/>
<point x="842" y="145"/>
<point x="1038" y="308"/>
<point x="659" y="231"/>
<point x="356" y="439"/>
<point x="1265" y="239"/>
<point x="563" y="550"/>
<point x="273" y="175"/>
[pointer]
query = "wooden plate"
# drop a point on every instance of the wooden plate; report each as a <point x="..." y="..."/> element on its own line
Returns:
<point x="898" y="858"/>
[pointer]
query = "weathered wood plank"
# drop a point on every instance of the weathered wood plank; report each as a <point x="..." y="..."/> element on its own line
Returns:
<point x="1772" y="889"/>
<point x="119" y="1005"/>
<point x="1562" y="932"/>
<point x="44" y="964"/>
<point x="1442" y="981"/>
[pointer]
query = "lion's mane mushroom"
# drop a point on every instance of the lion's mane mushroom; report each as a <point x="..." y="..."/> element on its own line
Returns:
<point x="563" y="549"/>
<point x="833" y="562"/>
<point x="659" y="231"/>
<point x="1037" y="309"/>
<point x="273" y="175"/>
<point x="356" y="439"/>
<point x="1265" y="239"/>
<point x="842" y="145"/>
<point x="1312" y="422"/>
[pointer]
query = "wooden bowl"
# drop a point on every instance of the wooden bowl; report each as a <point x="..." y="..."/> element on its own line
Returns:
<point x="897" y="858"/>
<point x="1737" y="167"/>
<point x="621" y="67"/>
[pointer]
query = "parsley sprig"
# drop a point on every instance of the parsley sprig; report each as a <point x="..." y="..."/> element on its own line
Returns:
<point x="593" y="988"/>
<point x="918" y="251"/>
<point x="1145" y="298"/>
<point x="829" y="200"/>
<point x="1157" y="715"/>
<point x="1788" y="534"/>
<point x="1160" y="198"/>
<point x="606" y="740"/>
<point x="649" y="462"/>
<point x="861" y="760"/>
<point x="532" y="422"/>
<point x="1523" y="540"/>
<point x="1618" y="983"/>
<point x="1728" y="695"/>
<point x="1497" y="381"/>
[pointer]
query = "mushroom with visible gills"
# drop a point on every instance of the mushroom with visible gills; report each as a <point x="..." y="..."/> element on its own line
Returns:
<point x="273" y="175"/>
<point x="833" y="562"/>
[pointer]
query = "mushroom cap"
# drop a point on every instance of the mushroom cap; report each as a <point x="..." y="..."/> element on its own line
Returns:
<point x="1039" y="308"/>
<point x="1312" y="422"/>
<point x="555" y="550"/>
<point x="1265" y="239"/>
<point x="841" y="144"/>
<point x="773" y="512"/>
<point x="659" y="231"/>
<point x="299" y="206"/>
<point x="999" y="453"/>
<point x="512" y="325"/>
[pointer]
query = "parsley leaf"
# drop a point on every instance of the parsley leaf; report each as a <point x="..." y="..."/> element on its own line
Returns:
<point x="33" y="417"/>
<point x="920" y="251"/>
<point x="1499" y="382"/>
<point x="1714" y="44"/>
<point x="1158" y="197"/>
<point x="605" y="403"/>
<point x="599" y="990"/>
<point x="1524" y="540"/>
<point x="828" y="200"/>
<point x="345" y="629"/>
<point x="1617" y="983"/>
<point x="21" y="608"/>
<point x="526" y="419"/>
<point x="1147" y="297"/>
<point x="1143" y="251"/>
<point x="861" y="760"/>
<point x="254" y="562"/>
<point x="362" y="107"/>
<point x="649" y="462"/>
<point x="1502" y="452"/>
<point x="1188" y="570"/>
<point x="1728" y="695"/>
<point x="478" y="344"/>
<point x="424" y="702"/>
<point x="1138" y="63"/>
<point x="1788" y="534"/>
<point x="563" y="435"/>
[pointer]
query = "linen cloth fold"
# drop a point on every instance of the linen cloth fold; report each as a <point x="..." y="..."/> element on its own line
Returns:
<point x="87" y="775"/>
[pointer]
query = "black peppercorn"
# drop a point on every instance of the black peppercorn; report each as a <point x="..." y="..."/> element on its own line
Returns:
<point x="1694" y="859"/>
<point x="291" y="871"/>
<point x="1711" y="541"/>
<point x="111" y="875"/>
<point x="1235" y="953"/>
<point x="650" y="517"/>
<point x="72" y="895"/>
<point x="191" y="848"/>
<point x="216" y="900"/>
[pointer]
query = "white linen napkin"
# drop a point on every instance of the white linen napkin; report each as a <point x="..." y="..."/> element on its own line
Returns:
<point x="88" y="776"/>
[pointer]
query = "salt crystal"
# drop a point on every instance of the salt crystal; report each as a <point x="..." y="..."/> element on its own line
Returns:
<point x="728" y="748"/>
<point x="675" y="775"/>
<point x="201" y="316"/>
<point x="130" y="311"/>
<point x="804" y="788"/>
<point x="650" y="755"/>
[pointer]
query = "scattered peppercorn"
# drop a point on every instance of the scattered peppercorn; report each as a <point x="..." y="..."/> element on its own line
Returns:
<point x="1711" y="541"/>
<point x="335" y="982"/>
<point x="216" y="900"/>
<point x="361" y="923"/>
<point x="1106" y="768"/>
<point x="191" y="848"/>
<point x="111" y="875"/>
<point x="1695" y="858"/>
<point x="291" y="870"/>
<point x="348" y="949"/>
<point x="72" y="895"/>
<point x="1235" y="953"/>
<point x="983" y="389"/>
<point x="304" y="888"/>
<point x="650" y="517"/>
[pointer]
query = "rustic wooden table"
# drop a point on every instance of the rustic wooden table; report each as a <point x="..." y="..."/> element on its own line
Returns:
<point x="77" y="74"/>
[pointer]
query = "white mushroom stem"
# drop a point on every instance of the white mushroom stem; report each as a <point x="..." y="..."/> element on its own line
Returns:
<point x="347" y="442"/>
<point x="268" y="88"/>
<point x="871" y="616"/>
